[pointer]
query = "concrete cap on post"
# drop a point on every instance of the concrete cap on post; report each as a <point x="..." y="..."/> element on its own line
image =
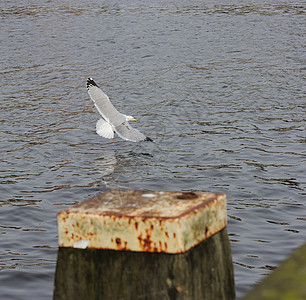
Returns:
<point x="146" y="221"/>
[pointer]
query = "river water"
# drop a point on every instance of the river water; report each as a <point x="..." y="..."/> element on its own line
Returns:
<point x="219" y="87"/>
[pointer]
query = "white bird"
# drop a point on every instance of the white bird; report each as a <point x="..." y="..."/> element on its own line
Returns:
<point x="113" y="121"/>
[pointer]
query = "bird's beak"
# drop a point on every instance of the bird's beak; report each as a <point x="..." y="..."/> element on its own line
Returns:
<point x="135" y="120"/>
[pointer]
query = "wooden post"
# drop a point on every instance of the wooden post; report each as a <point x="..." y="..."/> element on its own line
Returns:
<point x="145" y="245"/>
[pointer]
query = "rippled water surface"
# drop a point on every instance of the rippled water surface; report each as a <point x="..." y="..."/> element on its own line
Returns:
<point x="220" y="88"/>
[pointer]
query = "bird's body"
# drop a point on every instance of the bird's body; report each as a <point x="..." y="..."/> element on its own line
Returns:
<point x="113" y="121"/>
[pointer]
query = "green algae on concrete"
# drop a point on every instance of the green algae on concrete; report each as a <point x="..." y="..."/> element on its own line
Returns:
<point x="287" y="282"/>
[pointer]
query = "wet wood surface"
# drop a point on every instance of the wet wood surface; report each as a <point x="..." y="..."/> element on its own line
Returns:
<point x="203" y="272"/>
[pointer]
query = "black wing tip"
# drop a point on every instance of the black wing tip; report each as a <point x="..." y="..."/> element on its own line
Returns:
<point x="147" y="139"/>
<point x="90" y="83"/>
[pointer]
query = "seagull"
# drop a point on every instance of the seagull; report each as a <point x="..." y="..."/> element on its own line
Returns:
<point x="112" y="120"/>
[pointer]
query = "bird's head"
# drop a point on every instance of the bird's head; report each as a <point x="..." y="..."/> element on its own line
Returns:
<point x="130" y="118"/>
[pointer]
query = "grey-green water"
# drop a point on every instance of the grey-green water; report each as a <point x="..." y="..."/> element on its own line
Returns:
<point x="219" y="87"/>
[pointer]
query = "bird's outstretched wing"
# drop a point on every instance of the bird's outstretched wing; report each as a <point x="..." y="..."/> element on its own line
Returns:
<point x="127" y="132"/>
<point x="103" y="104"/>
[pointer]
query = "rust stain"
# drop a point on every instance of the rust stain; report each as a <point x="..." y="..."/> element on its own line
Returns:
<point x="206" y="231"/>
<point x="131" y="202"/>
<point x="159" y="223"/>
<point x="136" y="225"/>
<point x="187" y="196"/>
<point x="145" y="243"/>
